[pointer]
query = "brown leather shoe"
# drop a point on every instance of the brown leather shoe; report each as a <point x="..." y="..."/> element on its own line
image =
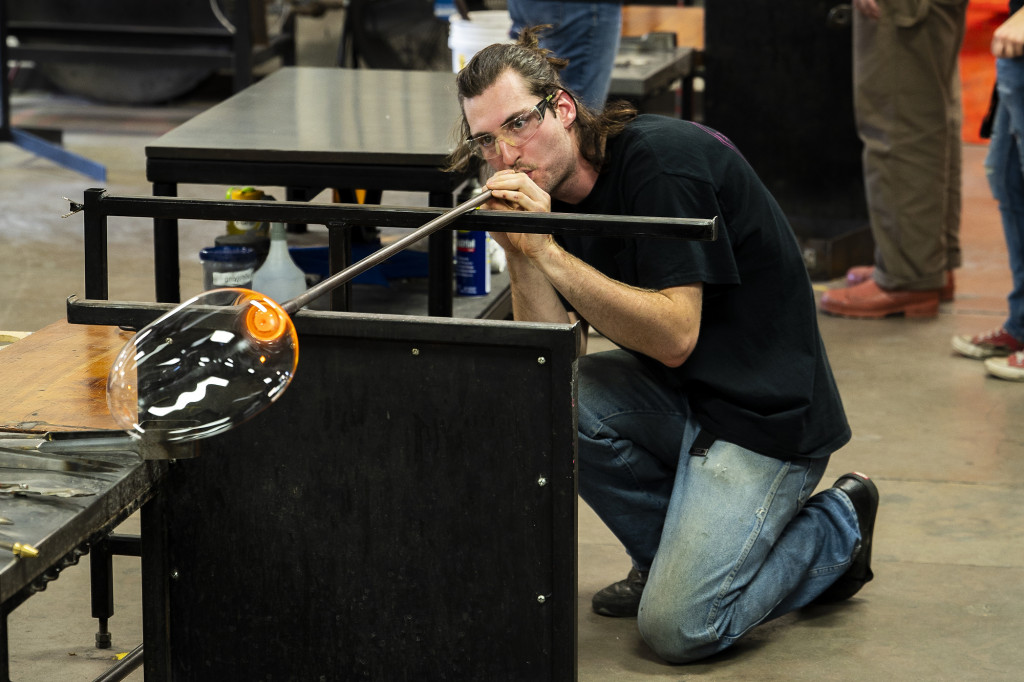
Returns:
<point x="868" y="300"/>
<point x="862" y="273"/>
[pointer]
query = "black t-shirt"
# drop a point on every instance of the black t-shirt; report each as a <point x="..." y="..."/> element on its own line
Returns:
<point x="759" y="376"/>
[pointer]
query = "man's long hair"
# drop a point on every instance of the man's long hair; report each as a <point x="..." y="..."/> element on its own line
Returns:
<point x="539" y="69"/>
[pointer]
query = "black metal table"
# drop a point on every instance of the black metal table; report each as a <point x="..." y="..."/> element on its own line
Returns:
<point x="308" y="129"/>
<point x="642" y="75"/>
<point x="66" y="476"/>
<point x="62" y="514"/>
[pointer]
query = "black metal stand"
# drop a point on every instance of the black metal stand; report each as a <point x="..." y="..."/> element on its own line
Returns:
<point x="339" y="218"/>
<point x="101" y="576"/>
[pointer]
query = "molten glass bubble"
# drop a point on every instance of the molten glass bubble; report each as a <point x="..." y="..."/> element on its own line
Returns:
<point x="211" y="363"/>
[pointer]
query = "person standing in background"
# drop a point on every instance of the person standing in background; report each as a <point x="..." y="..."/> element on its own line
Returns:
<point x="585" y="33"/>
<point x="907" y="110"/>
<point x="1002" y="349"/>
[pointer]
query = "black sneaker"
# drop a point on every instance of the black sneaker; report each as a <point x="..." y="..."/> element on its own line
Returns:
<point x="864" y="496"/>
<point x="621" y="599"/>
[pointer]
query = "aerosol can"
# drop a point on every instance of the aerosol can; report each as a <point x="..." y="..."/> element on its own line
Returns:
<point x="472" y="263"/>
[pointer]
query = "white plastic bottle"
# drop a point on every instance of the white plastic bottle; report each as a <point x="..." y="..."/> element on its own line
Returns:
<point x="279" y="277"/>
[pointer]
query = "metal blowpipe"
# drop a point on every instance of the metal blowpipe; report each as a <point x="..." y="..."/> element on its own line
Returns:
<point x="379" y="256"/>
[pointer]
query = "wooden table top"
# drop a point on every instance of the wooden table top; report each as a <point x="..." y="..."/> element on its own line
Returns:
<point x="55" y="379"/>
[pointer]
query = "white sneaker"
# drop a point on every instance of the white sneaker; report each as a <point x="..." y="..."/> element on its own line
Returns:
<point x="1010" y="368"/>
<point x="996" y="342"/>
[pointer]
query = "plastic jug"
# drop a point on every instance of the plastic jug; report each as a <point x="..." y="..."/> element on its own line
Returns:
<point x="279" y="277"/>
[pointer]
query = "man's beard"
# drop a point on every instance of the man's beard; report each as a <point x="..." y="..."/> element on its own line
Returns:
<point x="554" y="178"/>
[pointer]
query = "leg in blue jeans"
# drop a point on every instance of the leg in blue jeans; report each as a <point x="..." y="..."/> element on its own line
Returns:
<point x="1003" y="165"/>
<point x="585" y="33"/>
<point x="731" y="539"/>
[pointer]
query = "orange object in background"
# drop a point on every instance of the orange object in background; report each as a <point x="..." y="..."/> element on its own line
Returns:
<point x="686" y="22"/>
<point x="977" y="65"/>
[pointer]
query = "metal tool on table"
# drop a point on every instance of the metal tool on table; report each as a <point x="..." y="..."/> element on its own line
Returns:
<point x="223" y="356"/>
<point x="20" y="549"/>
<point x="25" y="489"/>
<point x="17" y="548"/>
<point x="40" y="459"/>
<point x="63" y="451"/>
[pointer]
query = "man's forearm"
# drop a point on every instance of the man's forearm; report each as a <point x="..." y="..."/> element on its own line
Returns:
<point x="661" y="324"/>
<point x="533" y="297"/>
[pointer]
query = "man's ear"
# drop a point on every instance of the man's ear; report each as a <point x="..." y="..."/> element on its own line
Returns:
<point x="566" y="107"/>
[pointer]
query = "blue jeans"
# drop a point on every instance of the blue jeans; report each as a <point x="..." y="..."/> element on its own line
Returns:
<point x="585" y="33"/>
<point x="732" y="539"/>
<point x="1003" y="166"/>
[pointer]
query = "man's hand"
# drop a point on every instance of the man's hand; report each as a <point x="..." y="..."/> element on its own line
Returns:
<point x="1008" y="40"/>
<point x="516" y="191"/>
<point x="533" y="297"/>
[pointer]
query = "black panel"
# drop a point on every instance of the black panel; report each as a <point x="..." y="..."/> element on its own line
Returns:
<point x="384" y="520"/>
<point x="779" y="84"/>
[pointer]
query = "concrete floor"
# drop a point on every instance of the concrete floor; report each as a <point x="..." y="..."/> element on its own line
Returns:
<point x="933" y="430"/>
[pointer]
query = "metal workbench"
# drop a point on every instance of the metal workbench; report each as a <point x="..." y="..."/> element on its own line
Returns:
<point x="641" y="75"/>
<point x="307" y="129"/>
<point x="63" y="502"/>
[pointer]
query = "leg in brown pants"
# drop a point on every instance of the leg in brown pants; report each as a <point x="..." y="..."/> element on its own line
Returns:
<point x="907" y="107"/>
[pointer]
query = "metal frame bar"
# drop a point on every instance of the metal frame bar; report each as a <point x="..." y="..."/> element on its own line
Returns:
<point x="167" y="210"/>
<point x="98" y="202"/>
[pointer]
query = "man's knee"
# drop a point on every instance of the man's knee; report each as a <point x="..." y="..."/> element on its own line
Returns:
<point x="676" y="637"/>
